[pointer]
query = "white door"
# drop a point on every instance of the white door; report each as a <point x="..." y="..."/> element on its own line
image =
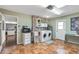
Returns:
<point x="0" y="33"/>
<point x="60" y="29"/>
<point x="3" y="29"/>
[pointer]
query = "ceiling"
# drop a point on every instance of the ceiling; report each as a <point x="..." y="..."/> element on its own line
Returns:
<point x="39" y="10"/>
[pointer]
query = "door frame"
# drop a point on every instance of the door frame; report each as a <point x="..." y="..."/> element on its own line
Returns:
<point x="2" y="33"/>
<point x="57" y="27"/>
<point x="3" y="42"/>
<point x="16" y="24"/>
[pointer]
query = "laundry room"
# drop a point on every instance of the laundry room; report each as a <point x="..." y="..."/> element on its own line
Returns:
<point x="38" y="29"/>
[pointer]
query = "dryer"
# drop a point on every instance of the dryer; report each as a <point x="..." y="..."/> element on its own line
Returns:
<point x="49" y="35"/>
<point x="43" y="36"/>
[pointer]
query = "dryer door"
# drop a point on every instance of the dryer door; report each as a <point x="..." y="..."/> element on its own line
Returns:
<point x="49" y="36"/>
<point x="44" y="37"/>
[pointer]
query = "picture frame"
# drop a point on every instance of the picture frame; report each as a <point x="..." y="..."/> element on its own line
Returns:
<point x="74" y="23"/>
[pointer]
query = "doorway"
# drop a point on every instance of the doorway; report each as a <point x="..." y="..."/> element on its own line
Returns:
<point x="60" y="29"/>
<point x="10" y="30"/>
<point x="11" y="34"/>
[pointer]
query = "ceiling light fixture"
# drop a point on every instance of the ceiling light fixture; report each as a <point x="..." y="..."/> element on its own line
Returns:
<point x="59" y="6"/>
<point x="44" y="5"/>
<point x="46" y="16"/>
<point x="56" y="11"/>
<point x="54" y="8"/>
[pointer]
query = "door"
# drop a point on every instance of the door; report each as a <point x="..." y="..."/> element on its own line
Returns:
<point x="11" y="34"/>
<point x="2" y="31"/>
<point x="60" y="29"/>
<point x="11" y="30"/>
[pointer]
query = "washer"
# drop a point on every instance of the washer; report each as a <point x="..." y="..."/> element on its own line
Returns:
<point x="49" y="35"/>
<point x="43" y="36"/>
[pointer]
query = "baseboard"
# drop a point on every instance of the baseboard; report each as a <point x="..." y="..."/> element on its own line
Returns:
<point x="19" y="43"/>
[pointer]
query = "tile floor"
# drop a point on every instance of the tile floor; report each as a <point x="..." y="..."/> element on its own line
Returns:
<point x="57" y="47"/>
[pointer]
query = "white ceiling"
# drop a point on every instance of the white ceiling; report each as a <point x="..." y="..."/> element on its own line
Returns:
<point x="39" y="10"/>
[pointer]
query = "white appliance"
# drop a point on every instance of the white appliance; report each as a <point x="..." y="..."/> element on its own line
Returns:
<point x="43" y="36"/>
<point x="42" y="25"/>
<point x="49" y="35"/>
<point x="26" y="38"/>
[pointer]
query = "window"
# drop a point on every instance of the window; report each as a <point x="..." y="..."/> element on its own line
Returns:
<point x="60" y="25"/>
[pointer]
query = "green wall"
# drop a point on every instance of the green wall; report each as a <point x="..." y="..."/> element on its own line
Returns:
<point x="52" y="22"/>
<point x="22" y="20"/>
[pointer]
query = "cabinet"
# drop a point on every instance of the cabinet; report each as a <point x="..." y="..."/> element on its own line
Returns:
<point x="26" y="38"/>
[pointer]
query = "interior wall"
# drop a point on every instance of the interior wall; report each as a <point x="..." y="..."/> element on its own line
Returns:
<point x="23" y="19"/>
<point x="52" y="22"/>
